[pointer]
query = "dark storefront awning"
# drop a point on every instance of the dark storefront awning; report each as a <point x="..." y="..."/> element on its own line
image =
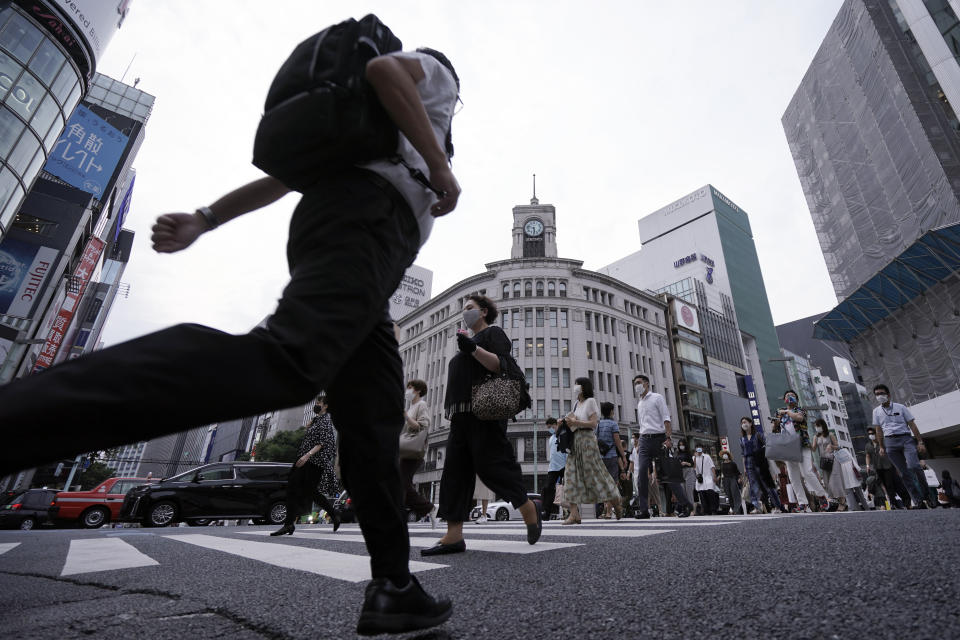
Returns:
<point x="928" y="261"/>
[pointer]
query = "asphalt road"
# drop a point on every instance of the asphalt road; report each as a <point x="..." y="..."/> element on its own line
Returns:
<point x="841" y="575"/>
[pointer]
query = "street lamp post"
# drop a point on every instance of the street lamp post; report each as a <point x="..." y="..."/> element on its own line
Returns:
<point x="535" y="467"/>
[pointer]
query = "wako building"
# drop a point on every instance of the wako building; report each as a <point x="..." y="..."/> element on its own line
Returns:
<point x="564" y="321"/>
<point x="700" y="249"/>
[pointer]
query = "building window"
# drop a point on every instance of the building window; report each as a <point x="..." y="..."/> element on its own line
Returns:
<point x="606" y="350"/>
<point x="555" y="408"/>
<point x="553" y="317"/>
<point x="610" y="382"/>
<point x="528" y="372"/>
<point x="554" y="377"/>
<point x="566" y="407"/>
<point x="551" y="288"/>
<point x="566" y="378"/>
<point x="589" y="350"/>
<point x="504" y="319"/>
<point x="613" y="326"/>
<point x="617" y="378"/>
<point x="528" y="317"/>
<point x="563" y="289"/>
<point x="541" y="411"/>
<point x="606" y="325"/>
<point x="539" y="346"/>
<point x="528" y="350"/>
<point x="586" y="320"/>
<point x="590" y="377"/>
<point x="540" y="377"/>
<point x="564" y="347"/>
<point x="516" y="289"/>
<point x="600" y="381"/>
<point x="540" y="317"/>
<point x="563" y="318"/>
<point x="516" y="319"/>
<point x="554" y="347"/>
<point x="506" y="290"/>
<point x="539" y="288"/>
<point x="615" y="356"/>
<point x="528" y="289"/>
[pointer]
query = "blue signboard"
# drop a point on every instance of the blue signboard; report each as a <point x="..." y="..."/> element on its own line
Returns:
<point x="87" y="152"/>
<point x="23" y="271"/>
<point x="754" y="406"/>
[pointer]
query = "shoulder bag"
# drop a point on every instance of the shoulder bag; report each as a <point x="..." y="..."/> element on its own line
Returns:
<point x="496" y="397"/>
<point x="784" y="446"/>
<point x="413" y="444"/>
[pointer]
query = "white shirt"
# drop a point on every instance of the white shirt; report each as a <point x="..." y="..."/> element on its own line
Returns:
<point x="438" y="92"/>
<point x="587" y="408"/>
<point x="652" y="412"/>
<point x="704" y="466"/>
<point x="635" y="458"/>
<point x="893" y="419"/>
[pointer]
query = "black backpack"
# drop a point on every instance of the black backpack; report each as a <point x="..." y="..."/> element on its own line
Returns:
<point x="320" y="115"/>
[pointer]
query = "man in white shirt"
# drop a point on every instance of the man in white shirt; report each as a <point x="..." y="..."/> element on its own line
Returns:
<point x="655" y="439"/>
<point x="899" y="436"/>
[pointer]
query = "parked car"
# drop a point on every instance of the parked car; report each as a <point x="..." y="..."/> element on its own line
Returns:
<point x="29" y="509"/>
<point x="344" y="505"/>
<point x="501" y="510"/>
<point x="223" y="490"/>
<point x="98" y="506"/>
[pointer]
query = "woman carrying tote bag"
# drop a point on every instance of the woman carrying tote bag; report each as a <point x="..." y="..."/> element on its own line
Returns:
<point x="413" y="447"/>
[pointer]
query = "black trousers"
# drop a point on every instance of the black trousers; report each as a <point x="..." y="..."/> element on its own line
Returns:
<point x="412" y="499"/>
<point x="302" y="492"/>
<point x="550" y="492"/>
<point x="477" y="448"/>
<point x="351" y="238"/>
<point x="710" y="502"/>
<point x="894" y="485"/>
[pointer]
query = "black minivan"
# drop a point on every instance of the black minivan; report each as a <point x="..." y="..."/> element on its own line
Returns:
<point x="29" y="509"/>
<point x="223" y="490"/>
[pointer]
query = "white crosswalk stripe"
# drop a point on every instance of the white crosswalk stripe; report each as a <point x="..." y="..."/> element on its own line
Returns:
<point x="103" y="554"/>
<point x="496" y="546"/>
<point x="6" y="546"/>
<point x="343" y="566"/>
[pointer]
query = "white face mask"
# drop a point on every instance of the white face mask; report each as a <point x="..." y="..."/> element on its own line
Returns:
<point x="576" y="390"/>
<point x="639" y="389"/>
<point x="470" y="317"/>
<point x="872" y="437"/>
<point x="726" y="457"/>
<point x="408" y="395"/>
<point x="745" y="426"/>
<point x="882" y="398"/>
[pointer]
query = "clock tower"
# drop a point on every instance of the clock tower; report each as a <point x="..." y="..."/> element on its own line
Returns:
<point x="534" y="229"/>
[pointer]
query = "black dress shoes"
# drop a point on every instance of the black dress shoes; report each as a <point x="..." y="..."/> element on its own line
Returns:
<point x="286" y="529"/>
<point x="534" y="530"/>
<point x="335" y="519"/>
<point x="390" y="609"/>
<point x="440" y="549"/>
<point x="644" y="515"/>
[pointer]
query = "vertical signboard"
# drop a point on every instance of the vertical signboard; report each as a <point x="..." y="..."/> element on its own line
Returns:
<point x="81" y="277"/>
<point x="87" y="152"/>
<point x="23" y="270"/>
<point x="754" y="406"/>
<point x="413" y="291"/>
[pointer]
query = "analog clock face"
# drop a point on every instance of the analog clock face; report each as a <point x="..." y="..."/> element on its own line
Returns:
<point x="533" y="227"/>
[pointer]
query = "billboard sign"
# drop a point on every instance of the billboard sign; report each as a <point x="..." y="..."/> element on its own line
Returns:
<point x="96" y="20"/>
<point x="413" y="291"/>
<point x="87" y="152"/>
<point x="754" y="406"/>
<point x="23" y="271"/>
<point x="686" y="315"/>
<point x="81" y="277"/>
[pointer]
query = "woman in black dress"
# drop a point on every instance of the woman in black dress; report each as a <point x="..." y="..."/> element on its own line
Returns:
<point x="477" y="447"/>
<point x="312" y="478"/>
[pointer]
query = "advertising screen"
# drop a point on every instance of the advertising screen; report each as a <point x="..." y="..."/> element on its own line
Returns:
<point x="23" y="271"/>
<point x="87" y="152"/>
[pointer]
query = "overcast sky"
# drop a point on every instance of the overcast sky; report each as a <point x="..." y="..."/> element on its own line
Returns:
<point x="618" y="107"/>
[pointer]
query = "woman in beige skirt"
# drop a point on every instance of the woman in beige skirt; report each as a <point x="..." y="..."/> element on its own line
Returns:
<point x="484" y="495"/>
<point x="586" y="479"/>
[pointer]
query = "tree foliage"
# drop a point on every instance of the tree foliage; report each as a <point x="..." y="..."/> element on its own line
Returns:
<point x="96" y="473"/>
<point x="280" y="448"/>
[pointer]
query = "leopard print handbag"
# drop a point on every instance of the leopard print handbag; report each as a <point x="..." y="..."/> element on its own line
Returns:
<point x="497" y="397"/>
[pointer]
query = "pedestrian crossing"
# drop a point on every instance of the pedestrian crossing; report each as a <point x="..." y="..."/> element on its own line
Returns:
<point x="305" y="551"/>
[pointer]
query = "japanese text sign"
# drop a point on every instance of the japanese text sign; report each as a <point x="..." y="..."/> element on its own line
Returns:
<point x="87" y="152"/>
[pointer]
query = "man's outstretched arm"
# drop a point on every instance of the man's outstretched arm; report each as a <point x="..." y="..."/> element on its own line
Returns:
<point x="176" y="231"/>
<point x="394" y="80"/>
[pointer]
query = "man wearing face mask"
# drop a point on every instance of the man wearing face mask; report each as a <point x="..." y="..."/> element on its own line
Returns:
<point x="887" y="475"/>
<point x="655" y="439"/>
<point x="902" y="447"/>
<point x="557" y="463"/>
<point x="793" y="418"/>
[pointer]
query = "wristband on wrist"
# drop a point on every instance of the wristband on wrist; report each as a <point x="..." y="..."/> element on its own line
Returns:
<point x="207" y="214"/>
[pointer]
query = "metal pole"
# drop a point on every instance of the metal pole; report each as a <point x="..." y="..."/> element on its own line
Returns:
<point x="535" y="467"/>
<point x="73" y="470"/>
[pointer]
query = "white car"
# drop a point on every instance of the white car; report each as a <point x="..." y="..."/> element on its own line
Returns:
<point x="501" y="510"/>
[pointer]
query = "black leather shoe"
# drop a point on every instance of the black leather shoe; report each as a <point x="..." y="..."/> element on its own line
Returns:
<point x="683" y="513"/>
<point x="440" y="549"/>
<point x="644" y="515"/>
<point x="534" y="530"/>
<point x="389" y="609"/>
<point x="286" y="529"/>
<point x="335" y="519"/>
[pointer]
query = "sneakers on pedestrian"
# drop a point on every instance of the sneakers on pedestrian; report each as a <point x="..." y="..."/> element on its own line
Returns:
<point x="482" y="519"/>
<point x="775" y="510"/>
<point x="390" y="609"/>
<point x="806" y="509"/>
<point x="433" y="517"/>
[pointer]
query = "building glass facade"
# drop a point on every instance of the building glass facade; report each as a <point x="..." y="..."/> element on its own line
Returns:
<point x="39" y="87"/>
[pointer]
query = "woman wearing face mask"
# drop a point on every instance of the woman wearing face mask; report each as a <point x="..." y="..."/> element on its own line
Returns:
<point x="586" y="479"/>
<point x="826" y="445"/>
<point x="730" y="478"/>
<point x="752" y="446"/>
<point x="477" y="448"/>
<point x="793" y="419"/>
<point x="417" y="421"/>
<point x="689" y="473"/>
<point x="312" y="478"/>
<point x="706" y="482"/>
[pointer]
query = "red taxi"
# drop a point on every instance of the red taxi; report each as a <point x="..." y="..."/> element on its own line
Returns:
<point x="97" y="507"/>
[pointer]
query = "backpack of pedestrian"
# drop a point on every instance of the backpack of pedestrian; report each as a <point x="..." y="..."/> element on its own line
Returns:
<point x="320" y="113"/>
